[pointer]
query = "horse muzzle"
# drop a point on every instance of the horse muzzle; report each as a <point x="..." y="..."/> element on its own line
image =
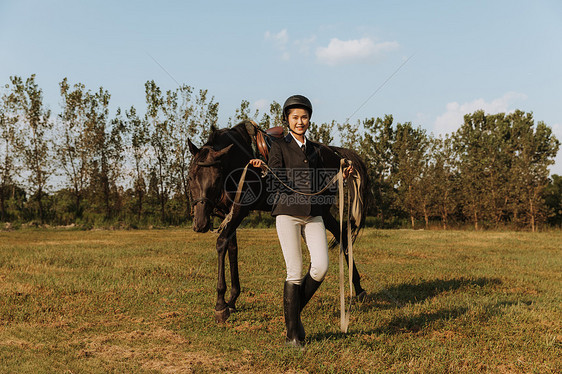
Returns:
<point x="201" y="218"/>
<point x="201" y="228"/>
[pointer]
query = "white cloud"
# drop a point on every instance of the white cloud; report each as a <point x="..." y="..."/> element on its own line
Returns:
<point x="337" y="52"/>
<point x="453" y="118"/>
<point x="349" y="51"/>
<point x="281" y="38"/>
<point x="262" y="105"/>
<point x="304" y="45"/>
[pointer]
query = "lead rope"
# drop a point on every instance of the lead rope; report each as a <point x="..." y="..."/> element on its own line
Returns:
<point x="228" y="217"/>
<point x="344" y="315"/>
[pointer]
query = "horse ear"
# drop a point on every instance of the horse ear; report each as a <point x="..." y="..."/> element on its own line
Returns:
<point x="212" y="134"/>
<point x="192" y="147"/>
<point x="223" y="151"/>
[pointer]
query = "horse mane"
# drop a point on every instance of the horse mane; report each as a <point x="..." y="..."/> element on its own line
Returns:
<point x="221" y="138"/>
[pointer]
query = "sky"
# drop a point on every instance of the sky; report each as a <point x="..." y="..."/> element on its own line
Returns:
<point x="424" y="62"/>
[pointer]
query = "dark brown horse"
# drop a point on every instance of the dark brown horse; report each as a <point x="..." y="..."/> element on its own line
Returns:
<point x="214" y="173"/>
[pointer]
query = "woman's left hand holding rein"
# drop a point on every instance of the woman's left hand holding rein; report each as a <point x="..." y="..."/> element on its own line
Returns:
<point x="348" y="171"/>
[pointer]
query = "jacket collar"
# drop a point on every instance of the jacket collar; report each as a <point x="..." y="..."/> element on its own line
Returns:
<point x="289" y="138"/>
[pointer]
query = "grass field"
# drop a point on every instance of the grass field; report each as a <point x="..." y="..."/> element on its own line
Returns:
<point x="143" y="301"/>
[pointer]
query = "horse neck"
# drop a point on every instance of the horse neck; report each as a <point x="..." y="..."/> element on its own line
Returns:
<point x="241" y="152"/>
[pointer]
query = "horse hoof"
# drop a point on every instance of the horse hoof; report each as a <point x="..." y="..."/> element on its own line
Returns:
<point x="222" y="315"/>
<point x="362" y="296"/>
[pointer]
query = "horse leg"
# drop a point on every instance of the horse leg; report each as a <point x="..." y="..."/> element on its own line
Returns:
<point x="221" y="308"/>
<point x="227" y="242"/>
<point x="234" y="277"/>
<point x="334" y="227"/>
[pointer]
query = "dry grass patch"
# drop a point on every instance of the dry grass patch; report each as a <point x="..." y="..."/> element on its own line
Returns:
<point x="160" y="349"/>
<point x="143" y="302"/>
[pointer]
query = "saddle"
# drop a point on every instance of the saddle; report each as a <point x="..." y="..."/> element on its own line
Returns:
<point x="261" y="139"/>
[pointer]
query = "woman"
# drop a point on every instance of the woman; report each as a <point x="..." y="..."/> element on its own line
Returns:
<point x="297" y="161"/>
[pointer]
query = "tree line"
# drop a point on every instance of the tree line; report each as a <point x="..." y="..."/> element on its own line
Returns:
<point x="88" y="167"/>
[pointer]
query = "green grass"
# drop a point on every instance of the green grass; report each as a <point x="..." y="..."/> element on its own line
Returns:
<point x="143" y="301"/>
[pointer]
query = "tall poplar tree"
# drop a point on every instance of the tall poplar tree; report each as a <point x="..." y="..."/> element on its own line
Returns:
<point x="409" y="151"/>
<point x="35" y="147"/>
<point x="535" y="150"/>
<point x="376" y="150"/>
<point x="8" y="150"/>
<point x="473" y="165"/>
<point x="443" y="179"/>
<point x="72" y="142"/>
<point x="160" y="142"/>
<point x="105" y="145"/>
<point x="138" y="131"/>
<point x="274" y="117"/>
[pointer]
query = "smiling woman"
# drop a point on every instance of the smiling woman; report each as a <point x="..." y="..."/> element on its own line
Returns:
<point x="299" y="160"/>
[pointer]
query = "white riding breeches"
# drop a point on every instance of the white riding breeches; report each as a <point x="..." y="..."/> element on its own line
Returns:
<point x="289" y="229"/>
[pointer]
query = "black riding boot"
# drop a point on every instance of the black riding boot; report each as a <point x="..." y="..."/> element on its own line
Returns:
<point x="307" y="289"/>
<point x="291" y="309"/>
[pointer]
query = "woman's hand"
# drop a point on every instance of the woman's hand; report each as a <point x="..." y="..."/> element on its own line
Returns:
<point x="348" y="171"/>
<point x="257" y="163"/>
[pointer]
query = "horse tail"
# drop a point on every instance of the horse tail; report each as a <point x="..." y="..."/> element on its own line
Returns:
<point x="363" y="192"/>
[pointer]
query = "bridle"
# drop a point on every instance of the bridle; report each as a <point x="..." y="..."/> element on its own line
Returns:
<point x="209" y="163"/>
<point x="204" y="199"/>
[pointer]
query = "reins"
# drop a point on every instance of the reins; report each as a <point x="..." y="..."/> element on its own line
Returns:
<point x="332" y="181"/>
<point x="353" y="209"/>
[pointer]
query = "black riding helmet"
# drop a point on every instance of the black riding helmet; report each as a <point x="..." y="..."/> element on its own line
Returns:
<point x="296" y="101"/>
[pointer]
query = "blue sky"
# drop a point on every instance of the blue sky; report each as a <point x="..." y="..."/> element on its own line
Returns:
<point x="491" y="55"/>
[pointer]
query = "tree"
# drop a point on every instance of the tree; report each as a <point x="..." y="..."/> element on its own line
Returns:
<point x="503" y="162"/>
<point x="274" y="117"/>
<point x="115" y="157"/>
<point x="322" y="133"/>
<point x="409" y="152"/>
<point x="35" y="147"/>
<point x="139" y="137"/>
<point x="424" y="193"/>
<point x="72" y="148"/>
<point x="160" y="142"/>
<point x="443" y="179"/>
<point x="535" y="149"/>
<point x="179" y="111"/>
<point x="8" y="150"/>
<point x="497" y="143"/>
<point x="553" y="200"/>
<point x="105" y="147"/>
<point x="376" y="149"/>
<point x="473" y="164"/>
<point x="243" y="113"/>
<point x="188" y="119"/>
<point x="205" y="115"/>
<point x="350" y="136"/>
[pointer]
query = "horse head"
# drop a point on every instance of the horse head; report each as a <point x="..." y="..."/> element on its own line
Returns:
<point x="205" y="183"/>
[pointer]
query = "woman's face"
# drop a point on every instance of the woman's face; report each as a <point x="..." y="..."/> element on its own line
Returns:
<point x="298" y="120"/>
